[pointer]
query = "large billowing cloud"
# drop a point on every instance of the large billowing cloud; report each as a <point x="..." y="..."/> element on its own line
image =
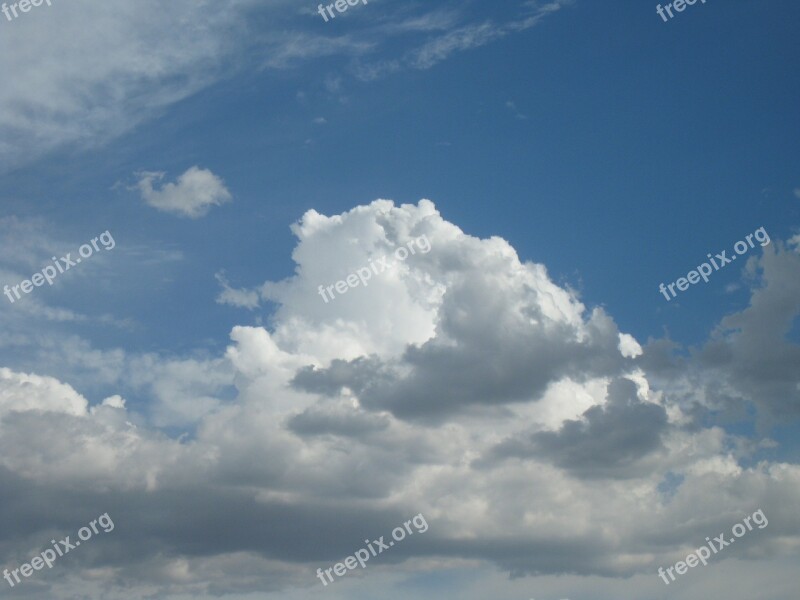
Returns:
<point x="502" y="332"/>
<point x="461" y="383"/>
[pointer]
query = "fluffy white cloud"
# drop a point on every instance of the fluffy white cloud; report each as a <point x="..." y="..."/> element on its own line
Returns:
<point x="20" y="392"/>
<point x="193" y="195"/>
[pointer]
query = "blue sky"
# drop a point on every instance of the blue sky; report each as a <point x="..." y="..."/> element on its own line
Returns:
<point x="590" y="138"/>
<point x="635" y="136"/>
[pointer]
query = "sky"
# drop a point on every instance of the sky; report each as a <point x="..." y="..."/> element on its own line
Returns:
<point x="399" y="267"/>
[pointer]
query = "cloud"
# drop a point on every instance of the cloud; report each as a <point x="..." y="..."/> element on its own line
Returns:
<point x="27" y="245"/>
<point x="143" y="59"/>
<point x="464" y="384"/>
<point x="608" y="441"/>
<point x="240" y="298"/>
<point x="543" y="336"/>
<point x="293" y="48"/>
<point x="437" y="20"/>
<point x="342" y="422"/>
<point x="457" y="39"/>
<point x="749" y="359"/>
<point x="195" y="192"/>
<point x="513" y="108"/>
<point x="20" y="392"/>
<point x="182" y="391"/>
<point x="146" y="58"/>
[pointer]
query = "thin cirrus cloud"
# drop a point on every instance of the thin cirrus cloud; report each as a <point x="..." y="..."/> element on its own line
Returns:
<point x="141" y="66"/>
<point x="194" y="193"/>
<point x="453" y="38"/>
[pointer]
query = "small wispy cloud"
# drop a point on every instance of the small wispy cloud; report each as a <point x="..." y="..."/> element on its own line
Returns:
<point x="291" y="49"/>
<point x="439" y="20"/>
<point x="513" y="108"/>
<point x="458" y="39"/>
<point x="240" y="298"/>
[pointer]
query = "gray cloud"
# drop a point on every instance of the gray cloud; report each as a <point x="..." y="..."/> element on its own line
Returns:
<point x="497" y="358"/>
<point x="749" y="360"/>
<point x="607" y="442"/>
<point x="314" y="421"/>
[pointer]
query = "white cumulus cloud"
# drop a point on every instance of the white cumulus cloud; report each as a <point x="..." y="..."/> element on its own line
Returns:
<point x="192" y="196"/>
